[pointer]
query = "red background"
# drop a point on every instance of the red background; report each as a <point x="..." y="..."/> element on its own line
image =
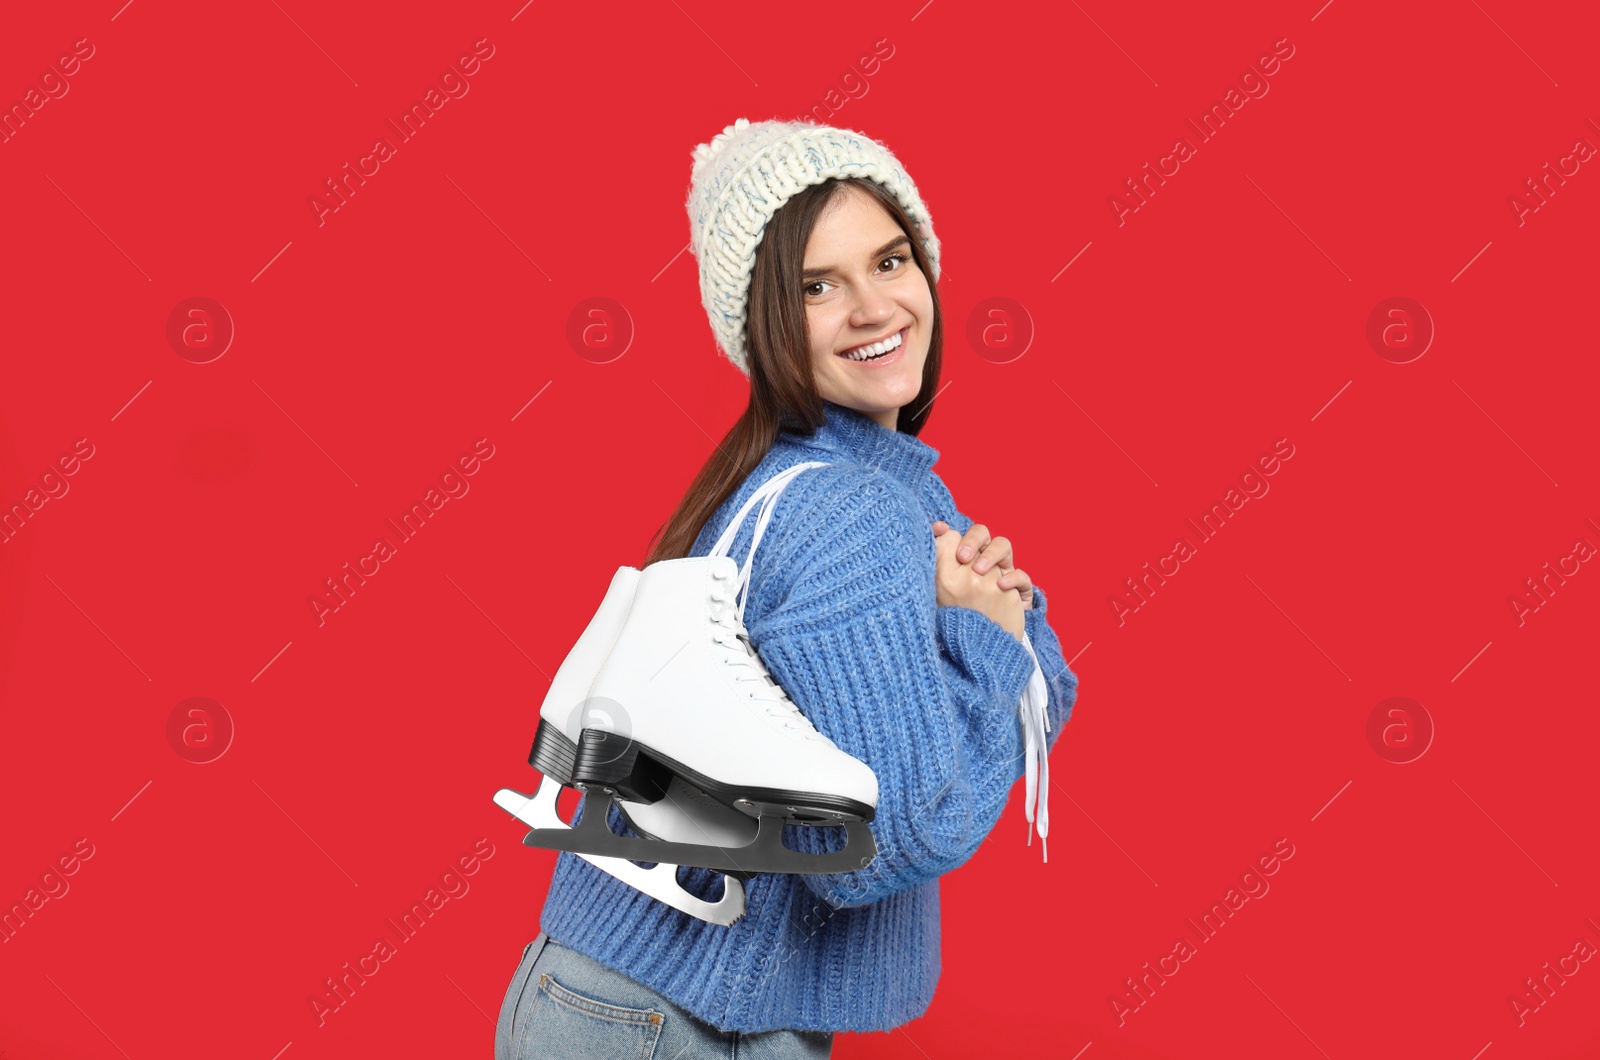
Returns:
<point x="372" y="349"/>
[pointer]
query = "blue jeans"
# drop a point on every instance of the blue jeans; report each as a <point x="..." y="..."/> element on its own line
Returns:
<point x="563" y="1005"/>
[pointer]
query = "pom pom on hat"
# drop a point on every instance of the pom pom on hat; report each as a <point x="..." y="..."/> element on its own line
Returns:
<point x="744" y="175"/>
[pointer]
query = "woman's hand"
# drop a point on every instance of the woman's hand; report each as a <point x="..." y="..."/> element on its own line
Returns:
<point x="990" y="552"/>
<point x="956" y="584"/>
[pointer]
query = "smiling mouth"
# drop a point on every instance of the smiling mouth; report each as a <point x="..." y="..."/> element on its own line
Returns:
<point x="874" y="350"/>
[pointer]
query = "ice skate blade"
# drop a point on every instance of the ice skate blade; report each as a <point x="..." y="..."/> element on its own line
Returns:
<point x="660" y="883"/>
<point x="615" y="762"/>
<point x="764" y="853"/>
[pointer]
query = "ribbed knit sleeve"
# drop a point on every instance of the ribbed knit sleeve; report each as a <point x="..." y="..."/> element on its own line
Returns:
<point x="986" y="664"/>
<point x="856" y="643"/>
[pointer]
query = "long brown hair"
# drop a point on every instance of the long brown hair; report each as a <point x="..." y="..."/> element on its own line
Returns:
<point x="783" y="388"/>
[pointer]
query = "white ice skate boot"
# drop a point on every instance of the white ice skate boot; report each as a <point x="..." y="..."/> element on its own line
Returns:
<point x="698" y="705"/>
<point x="683" y="815"/>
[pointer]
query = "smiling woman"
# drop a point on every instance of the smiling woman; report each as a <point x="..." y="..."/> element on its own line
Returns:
<point x="891" y="622"/>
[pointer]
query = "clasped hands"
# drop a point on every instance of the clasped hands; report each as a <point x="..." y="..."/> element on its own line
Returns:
<point x="990" y="585"/>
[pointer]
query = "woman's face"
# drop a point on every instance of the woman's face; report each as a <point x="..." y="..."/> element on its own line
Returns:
<point x="862" y="285"/>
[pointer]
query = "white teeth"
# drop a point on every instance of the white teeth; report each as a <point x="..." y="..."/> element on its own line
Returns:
<point x="862" y="353"/>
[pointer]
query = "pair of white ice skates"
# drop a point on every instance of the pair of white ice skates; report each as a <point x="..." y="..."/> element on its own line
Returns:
<point x="664" y="707"/>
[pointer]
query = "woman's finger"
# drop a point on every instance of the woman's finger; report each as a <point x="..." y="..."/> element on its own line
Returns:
<point x="1018" y="579"/>
<point x="972" y="542"/>
<point x="996" y="553"/>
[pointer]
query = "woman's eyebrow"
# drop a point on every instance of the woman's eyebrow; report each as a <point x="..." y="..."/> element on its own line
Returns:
<point x="823" y="270"/>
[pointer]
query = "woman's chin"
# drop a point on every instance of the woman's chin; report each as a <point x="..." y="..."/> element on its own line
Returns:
<point x="891" y="386"/>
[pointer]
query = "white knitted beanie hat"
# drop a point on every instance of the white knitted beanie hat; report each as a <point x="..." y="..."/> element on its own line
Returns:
<point x="744" y="175"/>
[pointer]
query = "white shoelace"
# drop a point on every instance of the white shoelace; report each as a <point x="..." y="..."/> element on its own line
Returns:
<point x="1037" y="768"/>
<point x="741" y="653"/>
<point x="749" y="668"/>
<point x="767" y="496"/>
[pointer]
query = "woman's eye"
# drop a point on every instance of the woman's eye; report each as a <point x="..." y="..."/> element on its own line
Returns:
<point x="901" y="258"/>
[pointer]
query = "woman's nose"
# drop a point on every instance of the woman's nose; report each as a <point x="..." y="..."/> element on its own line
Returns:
<point x="872" y="307"/>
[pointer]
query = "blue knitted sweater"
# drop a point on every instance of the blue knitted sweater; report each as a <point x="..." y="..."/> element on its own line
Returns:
<point x="842" y="610"/>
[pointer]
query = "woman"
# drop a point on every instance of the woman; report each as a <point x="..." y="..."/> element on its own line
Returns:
<point x="895" y="624"/>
